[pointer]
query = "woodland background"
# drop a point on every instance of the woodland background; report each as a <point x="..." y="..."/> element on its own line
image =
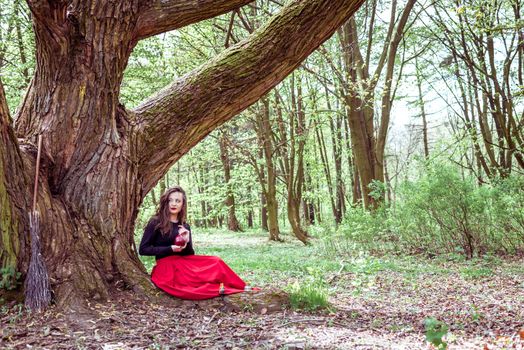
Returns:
<point x="440" y="158"/>
<point x="401" y="138"/>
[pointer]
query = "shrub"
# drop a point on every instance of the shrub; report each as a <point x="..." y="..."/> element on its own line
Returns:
<point x="443" y="212"/>
<point x="309" y="294"/>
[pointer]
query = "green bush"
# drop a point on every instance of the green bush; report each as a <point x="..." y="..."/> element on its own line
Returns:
<point x="444" y="212"/>
<point x="507" y="214"/>
<point x="364" y="226"/>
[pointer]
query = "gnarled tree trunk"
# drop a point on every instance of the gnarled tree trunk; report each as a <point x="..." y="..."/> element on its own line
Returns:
<point x="100" y="159"/>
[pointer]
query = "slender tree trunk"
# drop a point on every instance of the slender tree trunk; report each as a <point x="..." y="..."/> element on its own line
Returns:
<point x="309" y="207"/>
<point x="295" y="177"/>
<point x="357" y="192"/>
<point x="361" y="116"/>
<point x="349" y="155"/>
<point x="264" y="134"/>
<point x="321" y="145"/>
<point x="250" y="213"/>
<point x="206" y="222"/>
<point x="422" y="106"/>
<point x="369" y="141"/>
<point x="336" y="201"/>
<point x="232" y="221"/>
<point x="336" y="133"/>
<point x="263" y="213"/>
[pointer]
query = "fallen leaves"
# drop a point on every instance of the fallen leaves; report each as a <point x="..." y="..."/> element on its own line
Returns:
<point x="387" y="313"/>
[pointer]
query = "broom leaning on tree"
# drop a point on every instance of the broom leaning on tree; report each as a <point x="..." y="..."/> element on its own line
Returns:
<point x="37" y="291"/>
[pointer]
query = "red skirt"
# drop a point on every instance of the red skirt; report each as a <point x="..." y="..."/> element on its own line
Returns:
<point x="195" y="277"/>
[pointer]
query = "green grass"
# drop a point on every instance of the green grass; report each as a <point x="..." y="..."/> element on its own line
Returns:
<point x="308" y="295"/>
<point x="475" y="272"/>
<point x="261" y="262"/>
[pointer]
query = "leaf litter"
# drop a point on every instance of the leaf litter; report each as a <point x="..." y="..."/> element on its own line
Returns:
<point x="387" y="311"/>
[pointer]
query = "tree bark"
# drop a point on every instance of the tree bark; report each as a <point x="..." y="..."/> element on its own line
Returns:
<point x="100" y="160"/>
<point x="295" y="160"/>
<point x="422" y="106"/>
<point x="336" y="140"/>
<point x="264" y="132"/>
<point x="232" y="221"/>
<point x="263" y="213"/>
<point x="15" y="184"/>
<point x="369" y="141"/>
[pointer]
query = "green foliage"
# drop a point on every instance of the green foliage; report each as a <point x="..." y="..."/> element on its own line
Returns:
<point x="444" y="212"/>
<point x="310" y="293"/>
<point x="476" y="272"/>
<point x="9" y="278"/>
<point x="366" y="229"/>
<point x="17" y="50"/>
<point x="435" y="332"/>
<point x="378" y="190"/>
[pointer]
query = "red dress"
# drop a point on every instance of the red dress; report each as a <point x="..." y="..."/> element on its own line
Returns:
<point x="183" y="274"/>
<point x="195" y="277"/>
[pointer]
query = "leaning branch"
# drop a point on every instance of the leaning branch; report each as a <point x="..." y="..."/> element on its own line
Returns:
<point x="181" y="115"/>
<point x="159" y="16"/>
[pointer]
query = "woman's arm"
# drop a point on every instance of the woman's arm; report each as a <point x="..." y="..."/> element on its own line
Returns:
<point x="146" y="245"/>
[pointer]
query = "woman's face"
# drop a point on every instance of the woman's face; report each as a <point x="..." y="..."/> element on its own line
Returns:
<point x="176" y="201"/>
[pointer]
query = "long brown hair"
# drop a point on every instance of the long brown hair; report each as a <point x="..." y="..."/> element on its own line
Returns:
<point x="163" y="214"/>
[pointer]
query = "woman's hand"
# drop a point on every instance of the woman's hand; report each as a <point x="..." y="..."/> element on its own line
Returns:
<point x="178" y="249"/>
<point x="183" y="232"/>
<point x="181" y="239"/>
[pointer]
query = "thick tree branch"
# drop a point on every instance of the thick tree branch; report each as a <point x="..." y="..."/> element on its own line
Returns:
<point x="159" y="16"/>
<point x="182" y="114"/>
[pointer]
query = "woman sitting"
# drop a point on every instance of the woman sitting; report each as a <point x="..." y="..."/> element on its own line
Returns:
<point x="178" y="271"/>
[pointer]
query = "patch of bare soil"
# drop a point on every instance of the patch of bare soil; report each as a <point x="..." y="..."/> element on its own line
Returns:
<point x="387" y="313"/>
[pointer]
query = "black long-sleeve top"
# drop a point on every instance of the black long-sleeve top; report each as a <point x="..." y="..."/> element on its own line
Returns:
<point x="155" y="243"/>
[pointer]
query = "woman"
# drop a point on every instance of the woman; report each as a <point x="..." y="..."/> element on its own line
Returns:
<point x="178" y="271"/>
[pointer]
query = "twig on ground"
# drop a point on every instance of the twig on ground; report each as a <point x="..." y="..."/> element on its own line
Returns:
<point x="332" y="278"/>
<point x="314" y="320"/>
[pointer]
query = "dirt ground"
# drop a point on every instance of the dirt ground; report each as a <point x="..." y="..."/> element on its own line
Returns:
<point x="485" y="313"/>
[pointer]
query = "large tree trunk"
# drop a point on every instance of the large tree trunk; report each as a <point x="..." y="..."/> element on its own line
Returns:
<point x="99" y="159"/>
<point x="369" y="140"/>
<point x="90" y="183"/>
<point x="14" y="193"/>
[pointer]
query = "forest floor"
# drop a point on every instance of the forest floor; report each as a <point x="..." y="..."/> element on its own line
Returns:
<point x="376" y="301"/>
